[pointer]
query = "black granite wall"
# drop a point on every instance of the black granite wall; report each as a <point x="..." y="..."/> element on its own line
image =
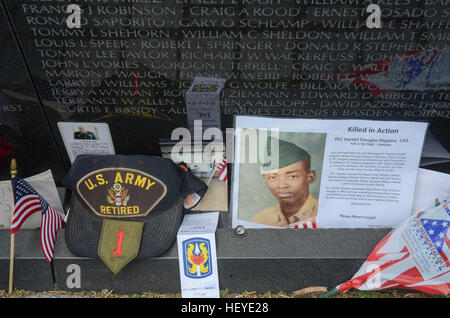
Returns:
<point x="24" y="129"/>
<point x="131" y="61"/>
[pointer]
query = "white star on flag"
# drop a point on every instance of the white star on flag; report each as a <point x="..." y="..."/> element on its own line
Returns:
<point x="415" y="255"/>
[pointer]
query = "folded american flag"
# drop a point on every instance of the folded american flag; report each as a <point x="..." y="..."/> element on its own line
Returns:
<point x="415" y="255"/>
<point x="27" y="202"/>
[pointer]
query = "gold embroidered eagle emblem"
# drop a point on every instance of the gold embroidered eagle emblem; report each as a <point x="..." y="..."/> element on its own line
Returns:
<point x="118" y="195"/>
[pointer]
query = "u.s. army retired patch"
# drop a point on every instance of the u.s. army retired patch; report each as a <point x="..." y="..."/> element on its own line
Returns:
<point x="121" y="192"/>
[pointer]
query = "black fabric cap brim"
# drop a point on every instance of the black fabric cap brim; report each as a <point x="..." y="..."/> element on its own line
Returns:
<point x="83" y="230"/>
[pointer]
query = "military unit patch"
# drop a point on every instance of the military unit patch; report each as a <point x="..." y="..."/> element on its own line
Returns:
<point x="119" y="243"/>
<point x="197" y="258"/>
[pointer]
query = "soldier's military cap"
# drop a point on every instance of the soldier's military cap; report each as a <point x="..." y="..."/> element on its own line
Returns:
<point x="124" y="207"/>
<point x="281" y="153"/>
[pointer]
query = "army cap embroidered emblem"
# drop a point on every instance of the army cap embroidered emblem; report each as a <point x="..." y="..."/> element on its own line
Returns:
<point x="121" y="192"/>
<point x="126" y="207"/>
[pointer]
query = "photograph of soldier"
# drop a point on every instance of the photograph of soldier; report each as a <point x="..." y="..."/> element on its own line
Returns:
<point x="289" y="182"/>
<point x="82" y="133"/>
<point x="283" y="192"/>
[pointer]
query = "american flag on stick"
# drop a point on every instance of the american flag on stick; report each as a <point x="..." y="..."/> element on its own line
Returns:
<point x="222" y="168"/>
<point x="27" y="202"/>
<point x="415" y="255"/>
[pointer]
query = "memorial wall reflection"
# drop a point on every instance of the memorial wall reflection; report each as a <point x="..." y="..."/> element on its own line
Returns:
<point x="131" y="61"/>
<point x="24" y="130"/>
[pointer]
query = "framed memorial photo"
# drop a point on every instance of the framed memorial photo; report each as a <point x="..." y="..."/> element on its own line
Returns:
<point x="323" y="173"/>
<point x="82" y="138"/>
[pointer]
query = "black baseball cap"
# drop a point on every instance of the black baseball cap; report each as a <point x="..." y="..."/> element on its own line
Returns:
<point x="148" y="189"/>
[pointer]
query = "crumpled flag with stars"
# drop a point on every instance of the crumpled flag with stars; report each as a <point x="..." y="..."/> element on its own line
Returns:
<point x="414" y="255"/>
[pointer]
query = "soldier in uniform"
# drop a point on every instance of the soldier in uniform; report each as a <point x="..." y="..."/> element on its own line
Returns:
<point x="289" y="181"/>
<point x="82" y="133"/>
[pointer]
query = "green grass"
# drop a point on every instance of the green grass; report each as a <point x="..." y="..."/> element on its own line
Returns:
<point x="18" y="293"/>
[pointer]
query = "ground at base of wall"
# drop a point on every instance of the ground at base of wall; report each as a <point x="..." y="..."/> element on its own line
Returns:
<point x="309" y="292"/>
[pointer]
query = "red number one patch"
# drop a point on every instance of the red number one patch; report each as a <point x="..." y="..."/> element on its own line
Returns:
<point x="118" y="250"/>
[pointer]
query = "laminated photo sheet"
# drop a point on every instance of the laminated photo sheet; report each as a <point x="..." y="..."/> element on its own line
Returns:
<point x="365" y="171"/>
<point x="86" y="138"/>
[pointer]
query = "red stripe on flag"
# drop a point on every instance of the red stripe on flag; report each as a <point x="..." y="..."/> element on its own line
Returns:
<point x="51" y="223"/>
<point x="374" y="255"/>
<point x="443" y="254"/>
<point x="23" y="209"/>
<point x="306" y="225"/>
<point x="358" y="281"/>
<point x="222" y="174"/>
<point x="405" y="278"/>
<point x="31" y="210"/>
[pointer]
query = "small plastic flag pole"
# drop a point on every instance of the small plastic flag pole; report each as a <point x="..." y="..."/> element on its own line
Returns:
<point x="11" y="256"/>
<point x="330" y="293"/>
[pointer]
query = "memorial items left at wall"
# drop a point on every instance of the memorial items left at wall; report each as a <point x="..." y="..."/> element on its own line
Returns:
<point x="24" y="131"/>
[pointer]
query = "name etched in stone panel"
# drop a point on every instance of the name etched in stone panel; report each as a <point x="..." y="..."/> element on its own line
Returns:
<point x="293" y="58"/>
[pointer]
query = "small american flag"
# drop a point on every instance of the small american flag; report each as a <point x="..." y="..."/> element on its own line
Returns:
<point x="222" y="174"/>
<point x="27" y="202"/>
<point x="305" y="225"/>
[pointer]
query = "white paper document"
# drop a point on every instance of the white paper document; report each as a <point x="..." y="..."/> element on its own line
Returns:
<point x="330" y="174"/>
<point x="86" y="138"/>
<point x="44" y="184"/>
<point x="197" y="256"/>
<point x="433" y="152"/>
